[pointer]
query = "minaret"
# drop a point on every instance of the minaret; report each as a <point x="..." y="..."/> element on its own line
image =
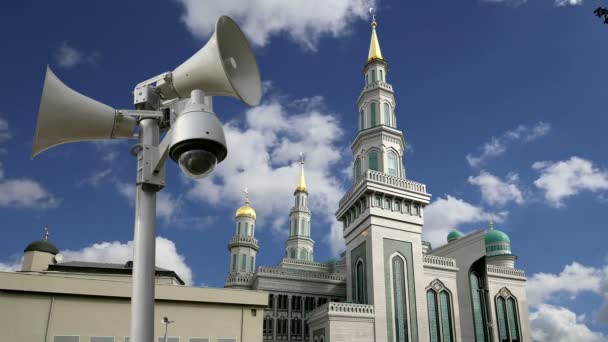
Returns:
<point x="38" y="255"/>
<point x="382" y="214"/>
<point x="243" y="247"/>
<point x="299" y="245"/>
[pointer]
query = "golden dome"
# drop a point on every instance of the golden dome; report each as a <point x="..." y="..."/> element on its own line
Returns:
<point x="246" y="210"/>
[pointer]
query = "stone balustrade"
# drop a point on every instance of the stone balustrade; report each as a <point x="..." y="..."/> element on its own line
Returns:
<point x="506" y="271"/>
<point x="344" y="309"/>
<point x="243" y="239"/>
<point x="239" y="278"/>
<point x="383" y="178"/>
<point x="306" y="274"/>
<point x="437" y="260"/>
<point x="305" y="262"/>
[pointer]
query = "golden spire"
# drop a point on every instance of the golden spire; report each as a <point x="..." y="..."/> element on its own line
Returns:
<point x="246" y="210"/>
<point x="301" y="181"/>
<point x="374" y="46"/>
<point x="46" y="233"/>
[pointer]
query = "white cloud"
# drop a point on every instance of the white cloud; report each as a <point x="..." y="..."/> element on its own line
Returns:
<point x="445" y="214"/>
<point x="11" y="266"/>
<point x="498" y="145"/>
<point x="304" y="21"/>
<point x="69" y="56"/>
<point x="572" y="280"/>
<point x="549" y="323"/>
<point x="5" y="134"/>
<point x="25" y="193"/>
<point x="567" y="178"/>
<point x="515" y="3"/>
<point x="97" y="177"/>
<point x="568" y="2"/>
<point x="167" y="205"/>
<point x="495" y="191"/>
<point x="118" y="252"/>
<point x="263" y="156"/>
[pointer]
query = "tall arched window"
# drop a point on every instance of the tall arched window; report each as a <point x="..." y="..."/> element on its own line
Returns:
<point x="358" y="169"/>
<point x="373" y="75"/>
<point x="373" y="160"/>
<point x="361" y="288"/>
<point x="387" y="114"/>
<point x="392" y="164"/>
<point x="439" y="307"/>
<point x="381" y="75"/>
<point x="445" y="305"/>
<point x="431" y="302"/>
<point x="238" y="232"/>
<point x="243" y="263"/>
<point x="362" y="120"/>
<point x="292" y="254"/>
<point x="294" y="223"/>
<point x="302" y="226"/>
<point x="400" y="299"/>
<point x="366" y="79"/>
<point x="252" y="263"/>
<point x="233" y="262"/>
<point x="478" y="307"/>
<point x="373" y="114"/>
<point x="507" y="316"/>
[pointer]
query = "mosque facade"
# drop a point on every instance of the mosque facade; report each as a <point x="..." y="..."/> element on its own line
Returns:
<point x="389" y="284"/>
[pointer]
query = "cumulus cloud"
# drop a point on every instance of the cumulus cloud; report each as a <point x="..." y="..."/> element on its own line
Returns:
<point x="264" y="157"/>
<point x="13" y="265"/>
<point x="515" y="3"/>
<point x="445" y="214"/>
<point x="167" y="205"/>
<point x="563" y="179"/>
<point x="304" y="21"/>
<point x="97" y="178"/>
<point x="167" y="255"/>
<point x="498" y="145"/>
<point x="68" y="56"/>
<point x="572" y="280"/>
<point x="5" y="134"/>
<point x="25" y="193"/>
<point x="551" y="323"/>
<point x="496" y="191"/>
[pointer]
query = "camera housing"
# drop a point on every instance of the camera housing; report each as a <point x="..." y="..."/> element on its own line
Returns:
<point x="197" y="142"/>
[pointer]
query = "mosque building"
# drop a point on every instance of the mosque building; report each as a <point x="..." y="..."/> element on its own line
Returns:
<point x="389" y="285"/>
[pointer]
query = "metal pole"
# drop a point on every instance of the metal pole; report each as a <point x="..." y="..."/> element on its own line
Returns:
<point x="144" y="250"/>
<point x="166" y="328"/>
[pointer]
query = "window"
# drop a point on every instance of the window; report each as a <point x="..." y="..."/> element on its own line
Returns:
<point x="445" y="305"/>
<point x="293" y="227"/>
<point x="282" y="327"/>
<point x="270" y="301"/>
<point x="296" y="327"/>
<point x="233" y="262"/>
<point x="303" y="254"/>
<point x="507" y="316"/>
<point x="267" y="329"/>
<point x="377" y="201"/>
<point x="243" y="262"/>
<point x="373" y="160"/>
<point x="282" y="302"/>
<point x="381" y="75"/>
<point x="252" y="263"/>
<point x="66" y="339"/>
<point x="400" y="299"/>
<point x="440" y="312"/>
<point x="358" y="169"/>
<point x="292" y="254"/>
<point x="374" y="120"/>
<point x="362" y="120"/>
<point x="360" y="290"/>
<point x="366" y="79"/>
<point x="477" y="295"/>
<point x="415" y="210"/>
<point x="387" y="115"/>
<point x="397" y="206"/>
<point x="296" y="303"/>
<point x="431" y="302"/>
<point x="387" y="203"/>
<point x="302" y="227"/>
<point x="392" y="164"/>
<point x="373" y="75"/>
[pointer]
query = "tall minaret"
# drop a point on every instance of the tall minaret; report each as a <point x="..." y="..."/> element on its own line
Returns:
<point x="382" y="215"/>
<point x="299" y="245"/>
<point x="243" y="246"/>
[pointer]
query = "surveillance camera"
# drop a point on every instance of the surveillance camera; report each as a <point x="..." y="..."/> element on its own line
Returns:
<point x="197" y="141"/>
<point x="165" y="319"/>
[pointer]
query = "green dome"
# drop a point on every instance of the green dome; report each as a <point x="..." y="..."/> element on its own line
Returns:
<point x="42" y="246"/>
<point x="454" y="235"/>
<point x="496" y="236"/>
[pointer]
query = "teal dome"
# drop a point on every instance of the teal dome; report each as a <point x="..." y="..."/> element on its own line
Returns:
<point x="42" y="246"/>
<point x="497" y="243"/>
<point x="454" y="235"/>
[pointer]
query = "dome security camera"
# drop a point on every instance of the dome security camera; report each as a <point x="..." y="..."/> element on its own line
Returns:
<point x="197" y="142"/>
<point x="165" y="319"/>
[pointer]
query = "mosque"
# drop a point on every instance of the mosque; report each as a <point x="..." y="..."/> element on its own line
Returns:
<point x="388" y="285"/>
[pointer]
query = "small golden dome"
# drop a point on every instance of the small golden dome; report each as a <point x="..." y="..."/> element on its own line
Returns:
<point x="246" y="210"/>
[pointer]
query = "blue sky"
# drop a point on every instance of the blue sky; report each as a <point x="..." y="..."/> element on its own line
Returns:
<point x="517" y="87"/>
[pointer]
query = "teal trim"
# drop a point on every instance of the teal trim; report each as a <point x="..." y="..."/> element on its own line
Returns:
<point x="303" y="226"/>
<point x="387" y="117"/>
<point x="358" y="253"/>
<point x="373" y="118"/>
<point x="503" y="335"/>
<point x="399" y="295"/>
<point x="477" y="308"/>
<point x="243" y="262"/>
<point x="446" y="316"/>
<point x="513" y="319"/>
<point x="404" y="248"/>
<point x="252" y="263"/>
<point x="431" y="302"/>
<point x="373" y="160"/>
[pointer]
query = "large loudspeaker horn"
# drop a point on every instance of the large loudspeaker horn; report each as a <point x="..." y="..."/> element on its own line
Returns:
<point x="66" y="115"/>
<point x="225" y="66"/>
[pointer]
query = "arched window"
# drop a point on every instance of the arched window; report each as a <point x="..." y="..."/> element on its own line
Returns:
<point x="439" y="307"/>
<point x="373" y="116"/>
<point x="303" y="254"/>
<point x="399" y="285"/>
<point x="392" y="164"/>
<point x="373" y="75"/>
<point x="507" y="316"/>
<point x="243" y="263"/>
<point x="292" y="254"/>
<point x="387" y="114"/>
<point x="361" y="288"/>
<point x="293" y="226"/>
<point x="252" y="232"/>
<point x="381" y="75"/>
<point x="233" y="262"/>
<point x="445" y="305"/>
<point x="238" y="232"/>
<point x="268" y="326"/>
<point x="478" y="307"/>
<point x="302" y="227"/>
<point x="377" y="201"/>
<point x="362" y="120"/>
<point x="373" y="160"/>
<point x="366" y="79"/>
<point x="358" y="169"/>
<point x="252" y="264"/>
<point x="431" y="302"/>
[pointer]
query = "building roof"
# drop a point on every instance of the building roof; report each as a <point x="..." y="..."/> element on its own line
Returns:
<point x="246" y="210"/>
<point x="496" y="236"/>
<point x="454" y="234"/>
<point x="42" y="246"/>
<point x="107" y="268"/>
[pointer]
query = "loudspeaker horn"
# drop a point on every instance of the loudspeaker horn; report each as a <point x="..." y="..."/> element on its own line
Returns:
<point x="225" y="66"/>
<point x="66" y="116"/>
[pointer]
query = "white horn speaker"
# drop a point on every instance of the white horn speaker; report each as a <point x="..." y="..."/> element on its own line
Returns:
<point x="66" y="115"/>
<point x="225" y="66"/>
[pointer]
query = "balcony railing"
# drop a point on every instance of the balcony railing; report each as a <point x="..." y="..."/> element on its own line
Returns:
<point x="342" y="309"/>
<point x="239" y="278"/>
<point x="243" y="239"/>
<point x="383" y="178"/>
<point x="506" y="271"/>
<point x="300" y="273"/>
<point x="437" y="260"/>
